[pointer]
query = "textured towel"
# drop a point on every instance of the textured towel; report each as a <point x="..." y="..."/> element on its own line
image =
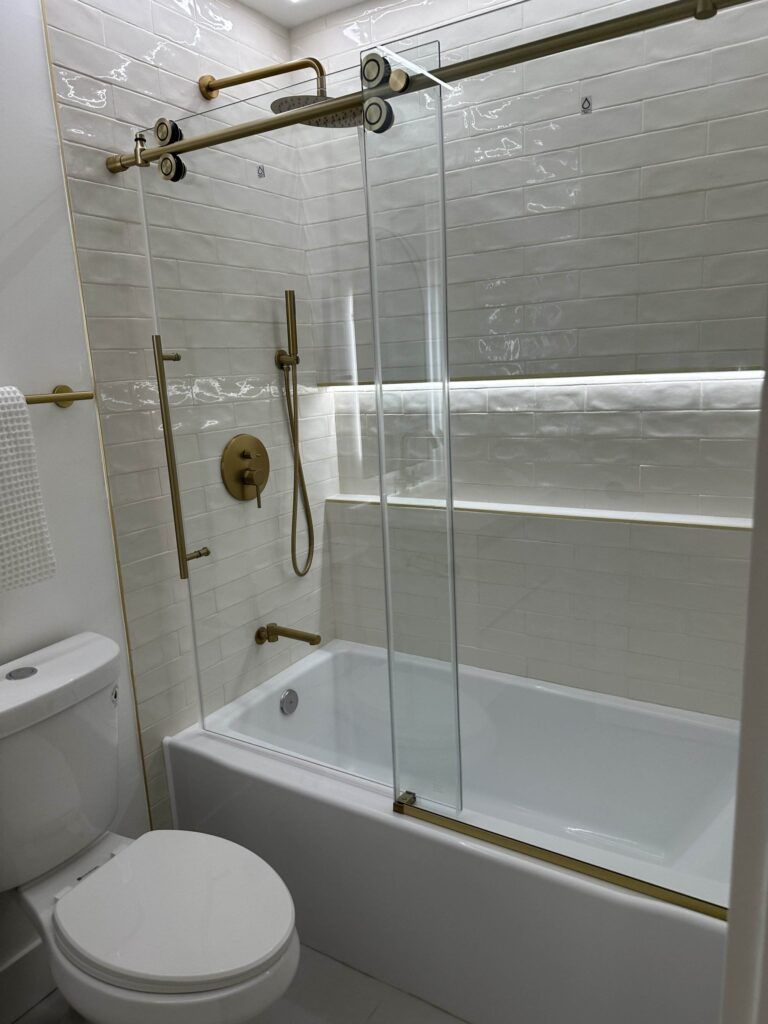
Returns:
<point x="26" y="555"/>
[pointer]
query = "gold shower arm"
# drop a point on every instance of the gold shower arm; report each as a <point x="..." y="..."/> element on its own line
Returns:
<point x="210" y="86"/>
<point x="614" y="28"/>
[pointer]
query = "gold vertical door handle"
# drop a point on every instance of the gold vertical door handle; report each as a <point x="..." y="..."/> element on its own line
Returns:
<point x="170" y="456"/>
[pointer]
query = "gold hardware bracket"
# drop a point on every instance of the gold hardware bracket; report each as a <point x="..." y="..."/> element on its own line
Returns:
<point x="210" y="86"/>
<point x="245" y="468"/>
<point x="399" y="81"/>
<point x="200" y="553"/>
<point x="57" y="397"/>
<point x="283" y="359"/>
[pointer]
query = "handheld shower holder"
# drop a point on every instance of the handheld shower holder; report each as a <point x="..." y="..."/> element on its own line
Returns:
<point x="284" y="359"/>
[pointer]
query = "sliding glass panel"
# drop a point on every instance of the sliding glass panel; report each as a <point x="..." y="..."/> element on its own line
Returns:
<point x="606" y="321"/>
<point x="405" y="206"/>
<point x="605" y="267"/>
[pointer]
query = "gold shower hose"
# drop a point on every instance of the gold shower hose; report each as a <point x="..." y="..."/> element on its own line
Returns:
<point x="288" y="362"/>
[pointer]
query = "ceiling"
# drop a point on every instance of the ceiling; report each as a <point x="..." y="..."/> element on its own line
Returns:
<point x="295" y="12"/>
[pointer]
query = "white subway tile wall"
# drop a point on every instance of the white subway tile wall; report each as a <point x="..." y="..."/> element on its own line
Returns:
<point x="681" y="444"/>
<point x="633" y="239"/>
<point x="639" y="610"/>
<point x="224" y="245"/>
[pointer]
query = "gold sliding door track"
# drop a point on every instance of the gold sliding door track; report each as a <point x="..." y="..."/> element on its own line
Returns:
<point x="614" y="28"/>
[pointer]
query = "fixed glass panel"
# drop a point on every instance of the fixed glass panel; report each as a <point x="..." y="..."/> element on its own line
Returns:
<point x="405" y="209"/>
<point x="250" y="220"/>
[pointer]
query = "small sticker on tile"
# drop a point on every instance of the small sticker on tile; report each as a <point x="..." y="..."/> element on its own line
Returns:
<point x="261" y="171"/>
<point x="586" y="105"/>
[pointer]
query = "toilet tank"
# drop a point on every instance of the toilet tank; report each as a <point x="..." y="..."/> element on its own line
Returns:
<point x="58" y="754"/>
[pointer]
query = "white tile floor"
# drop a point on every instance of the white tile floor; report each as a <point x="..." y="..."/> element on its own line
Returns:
<point x="323" y="992"/>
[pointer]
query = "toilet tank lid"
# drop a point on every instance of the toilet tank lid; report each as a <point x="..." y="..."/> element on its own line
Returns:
<point x="65" y="674"/>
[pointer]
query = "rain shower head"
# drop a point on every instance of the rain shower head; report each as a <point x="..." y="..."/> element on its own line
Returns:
<point x="352" y="118"/>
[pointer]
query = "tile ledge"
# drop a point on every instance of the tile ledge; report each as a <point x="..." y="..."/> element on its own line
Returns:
<point x="557" y="512"/>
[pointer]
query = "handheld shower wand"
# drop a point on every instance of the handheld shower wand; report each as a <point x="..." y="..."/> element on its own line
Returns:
<point x="288" y="362"/>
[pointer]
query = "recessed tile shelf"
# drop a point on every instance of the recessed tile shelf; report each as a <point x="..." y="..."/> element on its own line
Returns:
<point x="556" y="512"/>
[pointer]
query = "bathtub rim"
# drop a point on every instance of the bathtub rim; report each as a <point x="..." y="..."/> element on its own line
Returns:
<point x="375" y="800"/>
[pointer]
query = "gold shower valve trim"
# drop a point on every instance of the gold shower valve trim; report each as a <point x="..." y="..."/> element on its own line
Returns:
<point x="245" y="468"/>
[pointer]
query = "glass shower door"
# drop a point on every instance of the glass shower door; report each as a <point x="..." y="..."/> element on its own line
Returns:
<point x="225" y="244"/>
<point x="404" y="178"/>
<point x="606" y="323"/>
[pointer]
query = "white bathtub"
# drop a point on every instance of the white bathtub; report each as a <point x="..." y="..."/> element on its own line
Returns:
<point x="489" y="935"/>
<point x="636" y="788"/>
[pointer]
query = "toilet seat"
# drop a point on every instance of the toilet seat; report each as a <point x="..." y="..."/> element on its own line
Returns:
<point x="176" y="912"/>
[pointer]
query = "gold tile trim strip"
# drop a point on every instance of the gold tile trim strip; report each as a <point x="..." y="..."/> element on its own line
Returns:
<point x="581" y="867"/>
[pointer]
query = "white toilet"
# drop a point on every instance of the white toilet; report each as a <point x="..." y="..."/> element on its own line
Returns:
<point x="171" y="928"/>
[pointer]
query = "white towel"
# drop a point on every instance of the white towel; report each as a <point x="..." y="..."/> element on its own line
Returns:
<point x="26" y="554"/>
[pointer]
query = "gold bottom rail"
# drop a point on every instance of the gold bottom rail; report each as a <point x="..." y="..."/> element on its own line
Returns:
<point x="581" y="867"/>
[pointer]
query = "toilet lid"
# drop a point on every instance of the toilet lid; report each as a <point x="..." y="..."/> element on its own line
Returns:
<point x="176" y="912"/>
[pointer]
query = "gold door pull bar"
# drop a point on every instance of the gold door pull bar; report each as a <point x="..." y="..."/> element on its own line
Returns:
<point x="170" y="456"/>
<point x="210" y="86"/>
<point x="62" y="395"/>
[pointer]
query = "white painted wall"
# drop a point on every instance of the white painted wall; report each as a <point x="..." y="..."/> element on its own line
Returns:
<point x="43" y="343"/>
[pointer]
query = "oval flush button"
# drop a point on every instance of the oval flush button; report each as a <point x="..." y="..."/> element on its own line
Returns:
<point x="22" y="673"/>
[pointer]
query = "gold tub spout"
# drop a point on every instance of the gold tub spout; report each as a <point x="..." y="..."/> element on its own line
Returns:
<point x="271" y="633"/>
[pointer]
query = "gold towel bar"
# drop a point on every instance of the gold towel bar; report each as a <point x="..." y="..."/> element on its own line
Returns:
<point x="62" y="395"/>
